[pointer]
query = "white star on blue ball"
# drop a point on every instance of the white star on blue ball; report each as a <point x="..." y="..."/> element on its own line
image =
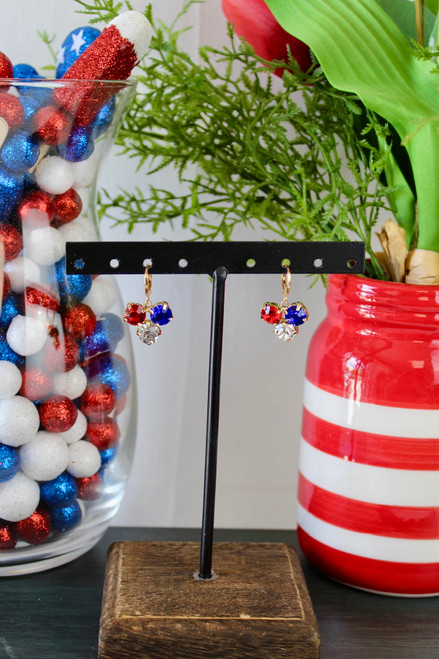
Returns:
<point x="73" y="46"/>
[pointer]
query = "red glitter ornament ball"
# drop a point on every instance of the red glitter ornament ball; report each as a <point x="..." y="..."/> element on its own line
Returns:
<point x="36" y="384"/>
<point x="6" y="285"/>
<point x="60" y="352"/>
<point x="12" y="240"/>
<point x="97" y="400"/>
<point x="6" y="70"/>
<point x="8" y="536"/>
<point x="103" y="433"/>
<point x="41" y="297"/>
<point x="36" y="209"/>
<point x="52" y="125"/>
<point x="89" y="488"/>
<point x="68" y="206"/>
<point x="80" y="321"/>
<point x="34" y="529"/>
<point x="57" y="413"/>
<point x="12" y="110"/>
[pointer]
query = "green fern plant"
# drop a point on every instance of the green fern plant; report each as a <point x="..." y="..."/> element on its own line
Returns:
<point x="297" y="160"/>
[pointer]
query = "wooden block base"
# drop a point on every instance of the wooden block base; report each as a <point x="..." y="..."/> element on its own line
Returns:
<point x="257" y="606"/>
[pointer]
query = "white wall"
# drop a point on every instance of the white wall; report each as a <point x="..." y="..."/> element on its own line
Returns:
<point x="262" y="377"/>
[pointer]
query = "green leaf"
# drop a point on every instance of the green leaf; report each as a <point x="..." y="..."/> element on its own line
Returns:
<point x="361" y="50"/>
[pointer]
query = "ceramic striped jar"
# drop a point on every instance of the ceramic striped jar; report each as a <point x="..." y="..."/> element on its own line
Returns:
<point x="368" y="499"/>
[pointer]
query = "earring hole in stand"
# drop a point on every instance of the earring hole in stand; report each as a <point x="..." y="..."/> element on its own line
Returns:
<point x="183" y="263"/>
<point x="79" y="264"/>
<point x="318" y="263"/>
<point x="351" y="263"/>
<point x="250" y="263"/>
<point x="114" y="263"/>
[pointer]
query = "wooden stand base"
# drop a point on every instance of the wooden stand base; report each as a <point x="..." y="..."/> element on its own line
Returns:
<point x="257" y="604"/>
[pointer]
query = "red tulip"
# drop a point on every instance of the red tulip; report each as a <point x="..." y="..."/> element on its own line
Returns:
<point x="253" y="21"/>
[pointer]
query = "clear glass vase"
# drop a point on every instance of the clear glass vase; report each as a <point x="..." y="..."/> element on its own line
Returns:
<point x="67" y="423"/>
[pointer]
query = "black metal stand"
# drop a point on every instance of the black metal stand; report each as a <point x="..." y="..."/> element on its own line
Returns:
<point x="217" y="260"/>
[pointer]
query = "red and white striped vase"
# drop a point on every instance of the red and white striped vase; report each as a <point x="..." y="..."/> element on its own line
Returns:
<point x="368" y="511"/>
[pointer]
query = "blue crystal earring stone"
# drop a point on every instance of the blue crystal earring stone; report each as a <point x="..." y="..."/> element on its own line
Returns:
<point x="161" y="313"/>
<point x="296" y="314"/>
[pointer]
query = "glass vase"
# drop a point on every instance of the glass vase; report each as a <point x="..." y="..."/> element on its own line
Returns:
<point x="369" y="459"/>
<point x="67" y="423"/>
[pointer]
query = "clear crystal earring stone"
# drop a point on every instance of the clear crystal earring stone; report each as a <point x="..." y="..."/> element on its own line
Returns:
<point x="148" y="332"/>
<point x="285" y="332"/>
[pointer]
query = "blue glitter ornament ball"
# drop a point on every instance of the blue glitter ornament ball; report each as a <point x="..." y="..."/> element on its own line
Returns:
<point x="73" y="46"/>
<point x="9" y="462"/>
<point x="104" y="117"/>
<point x="59" y="492"/>
<point x="107" y="457"/>
<point x="94" y="344"/>
<point x="20" y="152"/>
<point x="27" y="71"/>
<point x="11" y="188"/>
<point x="116" y="375"/>
<point x="64" y="519"/>
<point x="80" y="144"/>
<point x="8" y="354"/>
<point x="74" y="286"/>
<point x="31" y="104"/>
<point x="114" y="328"/>
<point x="11" y="307"/>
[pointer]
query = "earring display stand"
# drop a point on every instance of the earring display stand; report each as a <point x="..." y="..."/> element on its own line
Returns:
<point x="255" y="604"/>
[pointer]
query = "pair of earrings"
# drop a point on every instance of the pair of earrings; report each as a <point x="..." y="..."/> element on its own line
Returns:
<point x="285" y="317"/>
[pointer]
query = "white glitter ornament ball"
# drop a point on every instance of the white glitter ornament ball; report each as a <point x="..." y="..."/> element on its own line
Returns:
<point x="84" y="171"/>
<point x="19" y="497"/>
<point x="22" y="272"/>
<point x="26" y="335"/>
<point x="79" y="230"/>
<point x="44" y="457"/>
<point x="19" y="421"/>
<point x="71" y="384"/>
<point x="101" y="296"/>
<point x="10" y="379"/>
<point x="54" y="175"/>
<point x="77" y="431"/>
<point x="45" y="246"/>
<point x="84" y="459"/>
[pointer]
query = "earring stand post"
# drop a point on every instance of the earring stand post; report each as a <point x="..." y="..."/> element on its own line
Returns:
<point x="213" y="411"/>
<point x="292" y="624"/>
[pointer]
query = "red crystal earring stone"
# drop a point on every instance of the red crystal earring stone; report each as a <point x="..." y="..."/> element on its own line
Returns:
<point x="134" y="313"/>
<point x="271" y="313"/>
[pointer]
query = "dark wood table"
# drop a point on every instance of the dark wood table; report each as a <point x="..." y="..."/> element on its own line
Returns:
<point x="55" y="614"/>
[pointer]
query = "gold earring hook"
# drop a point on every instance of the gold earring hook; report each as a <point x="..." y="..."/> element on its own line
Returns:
<point x="286" y="283"/>
<point x="148" y="284"/>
